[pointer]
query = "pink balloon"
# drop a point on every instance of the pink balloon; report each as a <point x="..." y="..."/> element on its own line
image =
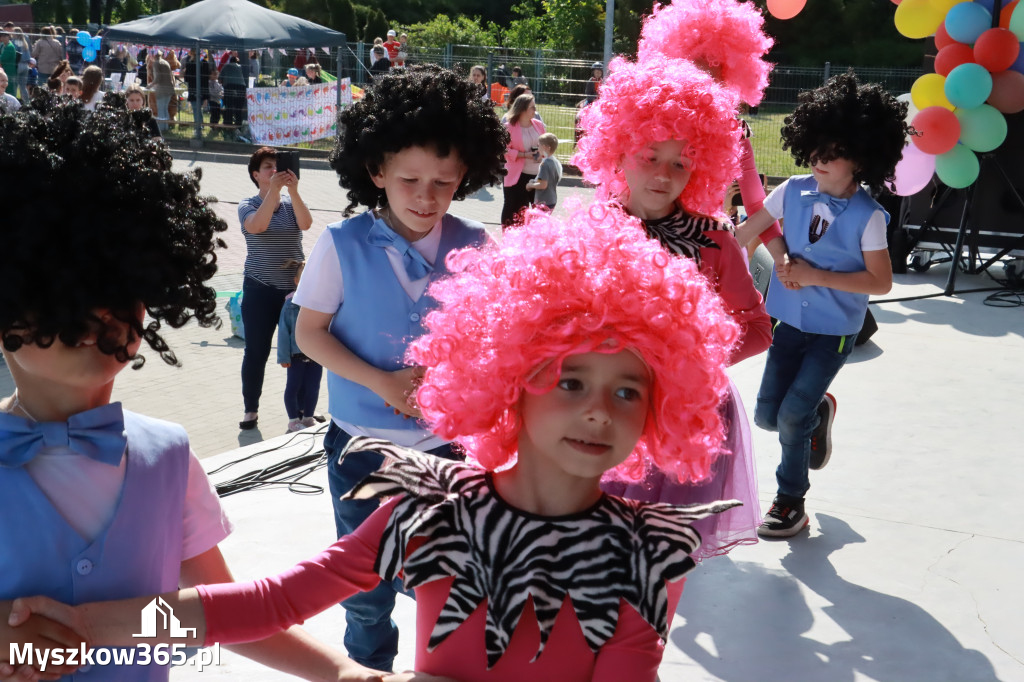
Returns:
<point x="785" y="9"/>
<point x="914" y="171"/>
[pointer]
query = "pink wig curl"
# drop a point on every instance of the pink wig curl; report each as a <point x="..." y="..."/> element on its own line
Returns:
<point x="555" y="288"/>
<point x="727" y="35"/>
<point x="653" y="101"/>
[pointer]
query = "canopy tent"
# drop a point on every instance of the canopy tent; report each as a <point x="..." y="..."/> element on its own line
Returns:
<point x="234" y="24"/>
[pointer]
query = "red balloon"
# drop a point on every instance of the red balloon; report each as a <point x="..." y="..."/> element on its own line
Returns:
<point x="942" y="38"/>
<point x="1006" y="13"/>
<point x="952" y="56"/>
<point x="996" y="49"/>
<point x="938" y="130"/>
<point x="1007" y="92"/>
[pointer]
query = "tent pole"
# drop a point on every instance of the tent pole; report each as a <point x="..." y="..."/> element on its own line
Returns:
<point x="337" y="68"/>
<point x="197" y="107"/>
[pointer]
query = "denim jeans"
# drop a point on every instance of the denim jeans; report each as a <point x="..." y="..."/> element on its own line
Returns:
<point x="261" y="309"/>
<point x="163" y="111"/>
<point x="798" y="371"/>
<point x="371" y="636"/>
<point x="302" y="388"/>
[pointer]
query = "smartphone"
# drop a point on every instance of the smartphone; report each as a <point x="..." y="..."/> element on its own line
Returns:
<point x="288" y="160"/>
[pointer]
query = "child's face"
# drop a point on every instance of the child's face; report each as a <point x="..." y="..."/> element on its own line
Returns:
<point x="656" y="176"/>
<point x="72" y="90"/>
<point x="67" y="371"/>
<point x="134" y="102"/>
<point x="3" y="81"/>
<point x="834" y="177"/>
<point x="590" y="421"/>
<point x="419" y="186"/>
<point x="477" y="76"/>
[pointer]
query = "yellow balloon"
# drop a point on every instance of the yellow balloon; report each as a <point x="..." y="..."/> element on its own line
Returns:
<point x="930" y="91"/>
<point x="943" y="6"/>
<point x="918" y="18"/>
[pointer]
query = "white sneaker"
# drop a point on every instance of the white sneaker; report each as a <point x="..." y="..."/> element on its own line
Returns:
<point x="307" y="422"/>
<point x="295" y="425"/>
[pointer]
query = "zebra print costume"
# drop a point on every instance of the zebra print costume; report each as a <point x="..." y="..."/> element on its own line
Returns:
<point x="683" y="234"/>
<point x="618" y="549"/>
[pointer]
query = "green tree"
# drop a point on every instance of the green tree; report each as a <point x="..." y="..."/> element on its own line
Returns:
<point x="79" y="12"/>
<point x="376" y="26"/>
<point x="442" y="30"/>
<point x="311" y="10"/>
<point x="60" y="12"/>
<point x="343" y="18"/>
<point x="132" y="9"/>
<point x="528" y="30"/>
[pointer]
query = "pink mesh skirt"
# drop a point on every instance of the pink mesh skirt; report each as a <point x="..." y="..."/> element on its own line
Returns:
<point x="733" y="477"/>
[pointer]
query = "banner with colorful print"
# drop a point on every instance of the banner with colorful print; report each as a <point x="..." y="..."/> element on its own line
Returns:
<point x="302" y="113"/>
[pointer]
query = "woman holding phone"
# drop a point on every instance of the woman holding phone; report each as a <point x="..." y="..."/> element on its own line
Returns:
<point x="522" y="158"/>
<point x="273" y="227"/>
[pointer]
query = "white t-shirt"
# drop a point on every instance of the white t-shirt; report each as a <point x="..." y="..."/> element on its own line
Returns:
<point x="96" y="98"/>
<point x="322" y="289"/>
<point x="873" y="238"/>
<point x="86" y="493"/>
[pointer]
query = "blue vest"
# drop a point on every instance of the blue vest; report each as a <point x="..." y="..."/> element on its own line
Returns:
<point x="820" y="310"/>
<point x="377" y="319"/>
<point x="139" y="553"/>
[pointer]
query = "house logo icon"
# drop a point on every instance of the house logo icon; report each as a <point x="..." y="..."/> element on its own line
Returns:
<point x="157" y="616"/>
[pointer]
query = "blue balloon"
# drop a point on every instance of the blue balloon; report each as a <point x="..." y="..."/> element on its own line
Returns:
<point x="83" y="38"/>
<point x="966" y="21"/>
<point x="968" y="85"/>
<point x="88" y="54"/>
<point x="1019" y="64"/>
<point x="97" y="43"/>
<point x="988" y="4"/>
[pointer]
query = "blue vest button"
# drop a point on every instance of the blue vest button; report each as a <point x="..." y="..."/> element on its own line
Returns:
<point x="415" y="317"/>
<point x="805" y="304"/>
<point x="84" y="567"/>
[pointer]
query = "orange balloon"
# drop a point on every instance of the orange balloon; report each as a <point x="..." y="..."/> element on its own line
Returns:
<point x="785" y="9"/>
<point x="1006" y="13"/>
<point x="1007" y="92"/>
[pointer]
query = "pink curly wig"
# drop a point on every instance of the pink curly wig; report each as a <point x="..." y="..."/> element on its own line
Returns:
<point x="653" y="101"/>
<point x="555" y="288"/>
<point x="726" y="34"/>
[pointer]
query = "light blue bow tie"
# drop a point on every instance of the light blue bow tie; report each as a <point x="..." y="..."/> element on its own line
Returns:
<point x="837" y="205"/>
<point x="416" y="266"/>
<point x="97" y="434"/>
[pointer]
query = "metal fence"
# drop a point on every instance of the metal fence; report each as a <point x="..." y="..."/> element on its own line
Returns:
<point x="558" y="80"/>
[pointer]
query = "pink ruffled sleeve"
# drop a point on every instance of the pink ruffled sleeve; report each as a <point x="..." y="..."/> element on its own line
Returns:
<point x="751" y="189"/>
<point x="248" y="612"/>
<point x="727" y="268"/>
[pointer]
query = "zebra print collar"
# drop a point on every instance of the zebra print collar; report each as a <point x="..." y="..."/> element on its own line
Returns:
<point x="617" y="550"/>
<point x="683" y="234"/>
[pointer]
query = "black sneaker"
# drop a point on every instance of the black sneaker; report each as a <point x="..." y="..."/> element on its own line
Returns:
<point x="785" y="519"/>
<point x="821" y="437"/>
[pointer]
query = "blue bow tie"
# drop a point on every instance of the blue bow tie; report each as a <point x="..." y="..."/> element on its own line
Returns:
<point x="837" y="205"/>
<point x="416" y="266"/>
<point x="97" y="433"/>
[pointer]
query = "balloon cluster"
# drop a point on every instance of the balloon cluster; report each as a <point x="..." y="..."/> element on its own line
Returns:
<point x="979" y="76"/>
<point x="90" y="45"/>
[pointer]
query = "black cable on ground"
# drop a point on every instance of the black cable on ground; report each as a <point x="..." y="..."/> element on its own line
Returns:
<point x="288" y="473"/>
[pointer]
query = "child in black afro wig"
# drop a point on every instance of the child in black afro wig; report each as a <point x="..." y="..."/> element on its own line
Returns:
<point x="831" y="257"/>
<point x="95" y="220"/>
<point x="423" y="106"/>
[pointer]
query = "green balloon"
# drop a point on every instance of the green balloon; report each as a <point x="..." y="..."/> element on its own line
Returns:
<point x="1017" y="21"/>
<point x="981" y="128"/>
<point x="958" y="167"/>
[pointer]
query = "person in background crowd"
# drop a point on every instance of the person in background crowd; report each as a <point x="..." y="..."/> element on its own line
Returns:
<point x="33" y="76"/>
<point x="8" y="103"/>
<point x="92" y="79"/>
<point x="74" y="50"/>
<point x="379" y="62"/>
<point x="403" y="49"/>
<point x="392" y="45"/>
<point x="478" y="75"/>
<point x="117" y="62"/>
<point x="292" y="77"/>
<point x="522" y="158"/>
<point x="135" y="100"/>
<point x="22" y="44"/>
<point x="48" y="51"/>
<point x="313" y="74"/>
<point x="72" y="87"/>
<point x="216" y="94"/>
<point x="517" y="76"/>
<point x="254" y="64"/>
<point x="143" y="59"/>
<point x="161" y="80"/>
<point x="234" y="93"/>
<point x="9" y="61"/>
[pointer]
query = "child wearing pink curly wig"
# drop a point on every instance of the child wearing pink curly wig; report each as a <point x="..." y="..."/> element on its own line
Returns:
<point x="661" y="140"/>
<point x="574" y="348"/>
<point x="726" y="38"/>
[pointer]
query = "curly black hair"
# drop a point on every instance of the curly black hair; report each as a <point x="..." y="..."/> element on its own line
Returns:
<point x="847" y="119"/>
<point x="94" y="218"/>
<point x="427" y="106"/>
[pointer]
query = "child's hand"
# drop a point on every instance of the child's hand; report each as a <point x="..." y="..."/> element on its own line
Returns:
<point x="26" y="627"/>
<point x="400" y="388"/>
<point x="350" y="671"/>
<point x="800" y="274"/>
<point x="286" y="365"/>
